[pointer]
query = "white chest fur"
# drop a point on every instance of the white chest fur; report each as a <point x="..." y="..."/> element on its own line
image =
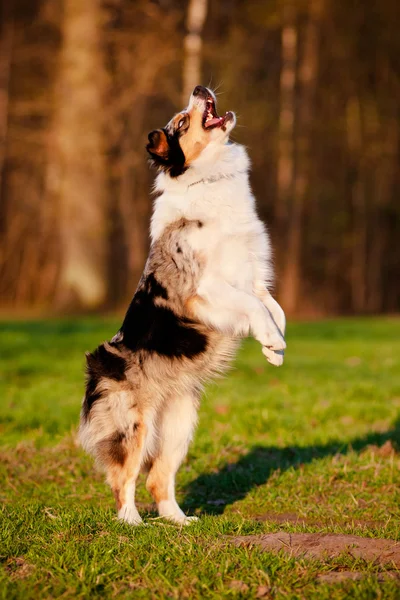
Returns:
<point x="231" y="236"/>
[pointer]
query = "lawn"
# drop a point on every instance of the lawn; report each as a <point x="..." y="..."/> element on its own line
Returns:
<point x="310" y="447"/>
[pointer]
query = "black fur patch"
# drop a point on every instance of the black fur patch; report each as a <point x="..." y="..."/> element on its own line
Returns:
<point x="112" y="450"/>
<point x="91" y="394"/>
<point x="154" y="287"/>
<point x="174" y="161"/>
<point x="101" y="363"/>
<point x="107" y="364"/>
<point x="157" y="328"/>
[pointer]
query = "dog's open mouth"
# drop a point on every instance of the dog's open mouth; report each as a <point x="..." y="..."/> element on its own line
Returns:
<point x="210" y="116"/>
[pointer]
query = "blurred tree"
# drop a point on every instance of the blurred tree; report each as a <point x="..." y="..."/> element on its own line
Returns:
<point x="286" y="124"/>
<point x="78" y="167"/>
<point x="299" y="174"/>
<point x="6" y="46"/>
<point x="315" y="85"/>
<point x="143" y="42"/>
<point x="28" y="243"/>
<point x="192" y="46"/>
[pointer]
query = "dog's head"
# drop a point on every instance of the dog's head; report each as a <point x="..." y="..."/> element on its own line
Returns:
<point x="173" y="148"/>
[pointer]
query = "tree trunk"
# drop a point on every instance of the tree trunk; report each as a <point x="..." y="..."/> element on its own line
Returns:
<point x="77" y="172"/>
<point x="6" y="44"/>
<point x="285" y="168"/>
<point x="134" y="207"/>
<point x="286" y="133"/>
<point x="301" y="172"/>
<point x="196" y="16"/>
<point x="287" y="110"/>
<point x="356" y="143"/>
<point x="386" y="144"/>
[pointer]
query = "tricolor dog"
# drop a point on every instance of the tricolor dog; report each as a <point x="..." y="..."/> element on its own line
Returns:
<point x="204" y="286"/>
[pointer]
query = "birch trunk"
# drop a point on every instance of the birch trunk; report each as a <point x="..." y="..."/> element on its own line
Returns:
<point x="196" y="16"/>
<point x="285" y="168"/>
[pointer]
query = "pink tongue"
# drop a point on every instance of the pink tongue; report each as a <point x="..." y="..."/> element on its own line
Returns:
<point x="212" y="122"/>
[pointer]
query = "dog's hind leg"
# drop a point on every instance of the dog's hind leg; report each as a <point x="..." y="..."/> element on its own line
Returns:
<point x="179" y="418"/>
<point x="123" y="457"/>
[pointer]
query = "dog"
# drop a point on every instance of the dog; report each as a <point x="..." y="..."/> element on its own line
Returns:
<point x="205" y="285"/>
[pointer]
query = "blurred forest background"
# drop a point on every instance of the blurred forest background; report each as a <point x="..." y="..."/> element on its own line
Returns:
<point x="316" y="87"/>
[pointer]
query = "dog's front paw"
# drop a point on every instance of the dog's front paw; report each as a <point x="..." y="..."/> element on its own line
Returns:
<point x="274" y="357"/>
<point x="274" y="341"/>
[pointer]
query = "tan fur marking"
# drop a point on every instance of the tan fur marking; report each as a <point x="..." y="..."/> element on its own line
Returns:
<point x="157" y="485"/>
<point x="177" y="118"/>
<point x="119" y="476"/>
<point x="162" y="147"/>
<point x="196" y="138"/>
<point x="113" y="450"/>
<point x="118" y="501"/>
<point x="191" y="305"/>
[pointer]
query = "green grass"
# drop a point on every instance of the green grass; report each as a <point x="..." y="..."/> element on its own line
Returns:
<point x="292" y="449"/>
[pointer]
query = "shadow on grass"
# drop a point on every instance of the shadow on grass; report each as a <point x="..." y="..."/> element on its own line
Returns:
<point x="212" y="492"/>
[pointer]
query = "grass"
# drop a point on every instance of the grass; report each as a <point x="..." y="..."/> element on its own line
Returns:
<point x="301" y="448"/>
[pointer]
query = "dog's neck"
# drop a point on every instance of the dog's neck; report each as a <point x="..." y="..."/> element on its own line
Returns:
<point x="215" y="178"/>
<point x="215" y="187"/>
<point x="216" y="163"/>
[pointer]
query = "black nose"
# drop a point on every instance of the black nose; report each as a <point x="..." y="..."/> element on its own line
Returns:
<point x="201" y="91"/>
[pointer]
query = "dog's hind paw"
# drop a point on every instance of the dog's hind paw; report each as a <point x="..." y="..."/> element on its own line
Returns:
<point x="181" y="519"/>
<point x="169" y="509"/>
<point x="190" y="520"/>
<point x="274" y="357"/>
<point x="129" y="514"/>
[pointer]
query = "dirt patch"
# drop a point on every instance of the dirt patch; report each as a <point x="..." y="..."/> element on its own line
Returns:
<point x="340" y="576"/>
<point x="317" y="545"/>
<point x="240" y="586"/>
<point x="18" y="568"/>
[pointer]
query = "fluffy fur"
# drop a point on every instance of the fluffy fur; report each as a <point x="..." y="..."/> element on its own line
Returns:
<point x="205" y="285"/>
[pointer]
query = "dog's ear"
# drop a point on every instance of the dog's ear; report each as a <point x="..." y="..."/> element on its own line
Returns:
<point x="158" y="144"/>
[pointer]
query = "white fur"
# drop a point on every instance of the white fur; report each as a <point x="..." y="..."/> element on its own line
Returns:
<point x="128" y="511"/>
<point x="176" y="430"/>
<point x="233" y="241"/>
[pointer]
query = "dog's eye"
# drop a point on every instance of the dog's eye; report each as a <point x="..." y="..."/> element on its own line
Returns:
<point x="181" y="123"/>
